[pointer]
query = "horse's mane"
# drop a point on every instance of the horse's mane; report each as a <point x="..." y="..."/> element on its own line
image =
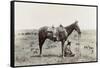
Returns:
<point x="69" y="26"/>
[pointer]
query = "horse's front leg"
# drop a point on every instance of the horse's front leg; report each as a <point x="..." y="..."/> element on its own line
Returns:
<point x="63" y="48"/>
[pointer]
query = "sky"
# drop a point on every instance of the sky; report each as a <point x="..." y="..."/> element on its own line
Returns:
<point x="35" y="16"/>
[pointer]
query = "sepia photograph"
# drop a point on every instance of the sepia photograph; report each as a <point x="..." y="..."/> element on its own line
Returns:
<point x="54" y="33"/>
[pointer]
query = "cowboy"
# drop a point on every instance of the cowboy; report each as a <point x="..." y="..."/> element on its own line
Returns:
<point x="67" y="51"/>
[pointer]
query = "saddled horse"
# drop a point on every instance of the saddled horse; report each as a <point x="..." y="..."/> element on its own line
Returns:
<point x="60" y="35"/>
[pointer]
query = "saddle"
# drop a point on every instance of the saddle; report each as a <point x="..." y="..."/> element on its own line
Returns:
<point x="57" y="32"/>
<point x="61" y="30"/>
<point x="51" y="30"/>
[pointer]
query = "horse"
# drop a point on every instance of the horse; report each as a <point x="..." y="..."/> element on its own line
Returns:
<point x="61" y="34"/>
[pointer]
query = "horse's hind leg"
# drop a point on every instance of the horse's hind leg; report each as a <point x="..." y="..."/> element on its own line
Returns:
<point x="40" y="46"/>
<point x="63" y="48"/>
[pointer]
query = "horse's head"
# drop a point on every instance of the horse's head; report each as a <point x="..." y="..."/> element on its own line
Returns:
<point x="76" y="27"/>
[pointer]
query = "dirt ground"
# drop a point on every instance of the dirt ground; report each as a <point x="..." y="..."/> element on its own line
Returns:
<point x="27" y="49"/>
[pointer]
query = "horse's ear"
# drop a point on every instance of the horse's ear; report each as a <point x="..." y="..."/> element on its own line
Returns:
<point x="76" y="22"/>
